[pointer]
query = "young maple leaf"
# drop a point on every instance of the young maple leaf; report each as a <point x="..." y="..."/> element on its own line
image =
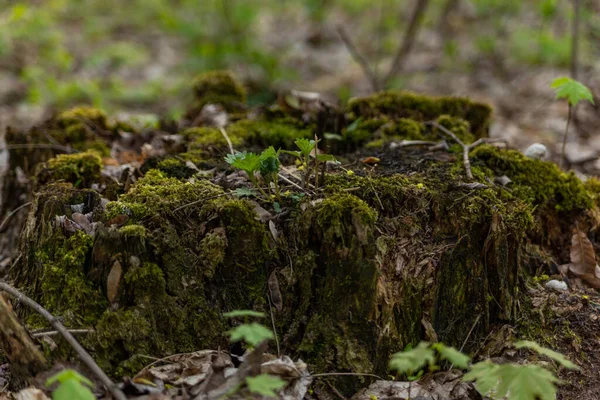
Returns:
<point x="572" y="90"/>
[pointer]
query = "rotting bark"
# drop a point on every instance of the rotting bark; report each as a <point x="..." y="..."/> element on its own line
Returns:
<point x="365" y="265"/>
<point x="25" y="359"/>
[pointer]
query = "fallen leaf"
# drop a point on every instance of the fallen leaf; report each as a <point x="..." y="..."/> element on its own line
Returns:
<point x="276" y="297"/>
<point x="371" y="160"/>
<point x="113" y="280"/>
<point x="583" y="258"/>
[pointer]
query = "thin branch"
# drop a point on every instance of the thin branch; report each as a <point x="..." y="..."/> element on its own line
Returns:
<point x="468" y="335"/>
<point x="54" y="333"/>
<point x="346" y="374"/>
<point x="39" y="146"/>
<point x="575" y="39"/>
<point x="224" y="133"/>
<point x="360" y="59"/>
<point x="409" y="39"/>
<point x="81" y="352"/>
<point x="273" y="324"/>
<point x="466" y="147"/>
<point x="13" y="212"/>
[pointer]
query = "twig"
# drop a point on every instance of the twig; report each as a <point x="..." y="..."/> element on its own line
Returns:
<point x="334" y="389"/>
<point x="13" y="212"/>
<point x="273" y="324"/>
<point x="53" y="333"/>
<point x="38" y="146"/>
<point x="466" y="147"/>
<point x="362" y="61"/>
<point x="347" y="374"/>
<point x="81" y="352"/>
<point x="224" y="133"/>
<point x="200" y="201"/>
<point x="408" y="143"/>
<point x="158" y="360"/>
<point x="575" y="39"/>
<point x="409" y="39"/>
<point x="468" y="335"/>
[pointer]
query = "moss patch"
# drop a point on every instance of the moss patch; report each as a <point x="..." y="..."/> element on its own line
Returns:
<point x="540" y="183"/>
<point x="421" y="108"/>
<point x="80" y="169"/>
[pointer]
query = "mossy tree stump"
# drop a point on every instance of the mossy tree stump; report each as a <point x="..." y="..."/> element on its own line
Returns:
<point x="374" y="263"/>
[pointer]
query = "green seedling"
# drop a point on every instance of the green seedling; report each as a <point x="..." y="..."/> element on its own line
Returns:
<point x="574" y="92"/>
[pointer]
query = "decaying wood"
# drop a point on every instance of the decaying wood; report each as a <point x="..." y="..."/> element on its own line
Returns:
<point x="81" y="352"/>
<point x="25" y="359"/>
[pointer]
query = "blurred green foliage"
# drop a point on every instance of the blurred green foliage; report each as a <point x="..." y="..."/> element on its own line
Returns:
<point x="145" y="53"/>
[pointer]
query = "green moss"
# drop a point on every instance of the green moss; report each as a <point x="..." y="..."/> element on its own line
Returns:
<point x="82" y="128"/>
<point x="458" y="126"/>
<point x="218" y="87"/>
<point x="175" y="167"/>
<point x="420" y="108"/>
<point x="268" y="133"/>
<point x="133" y="231"/>
<point x="537" y="182"/>
<point x="65" y="291"/>
<point x="156" y="193"/>
<point x="121" y="334"/>
<point x="205" y="138"/>
<point x="80" y="169"/>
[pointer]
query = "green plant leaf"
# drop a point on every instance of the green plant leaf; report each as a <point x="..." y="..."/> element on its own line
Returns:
<point x="352" y="127"/>
<point x="291" y="152"/>
<point x="243" y="313"/>
<point x="269" y="163"/>
<point x="247" y="162"/>
<point x="572" y="90"/>
<point x="332" y="136"/>
<point x="72" y="386"/>
<point x="452" y="355"/>
<point x="559" y="358"/>
<point x="72" y="390"/>
<point x="325" y="157"/>
<point x="306" y="146"/>
<point x="412" y="360"/>
<point x="244" y="192"/>
<point x="68" y="375"/>
<point x="485" y="374"/>
<point x="253" y="333"/>
<point x="514" y="382"/>
<point x="264" y="384"/>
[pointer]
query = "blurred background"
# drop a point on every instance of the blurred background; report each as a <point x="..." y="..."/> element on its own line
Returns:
<point x="140" y="56"/>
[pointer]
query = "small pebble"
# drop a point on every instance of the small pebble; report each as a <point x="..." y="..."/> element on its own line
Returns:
<point x="559" y="286"/>
<point x="537" y="151"/>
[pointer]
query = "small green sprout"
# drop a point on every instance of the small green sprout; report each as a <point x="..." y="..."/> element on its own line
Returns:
<point x="574" y="92"/>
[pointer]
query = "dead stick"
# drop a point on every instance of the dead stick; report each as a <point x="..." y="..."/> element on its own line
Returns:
<point x="81" y="352"/>
<point x="13" y="212"/>
<point x="409" y="38"/>
<point x="53" y="333"/>
<point x="38" y="146"/>
<point x="224" y="133"/>
<point x="466" y="147"/>
<point x="362" y="61"/>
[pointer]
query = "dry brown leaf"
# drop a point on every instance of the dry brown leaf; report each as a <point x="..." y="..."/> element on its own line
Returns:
<point x="113" y="280"/>
<point x="276" y="297"/>
<point x="583" y="258"/>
